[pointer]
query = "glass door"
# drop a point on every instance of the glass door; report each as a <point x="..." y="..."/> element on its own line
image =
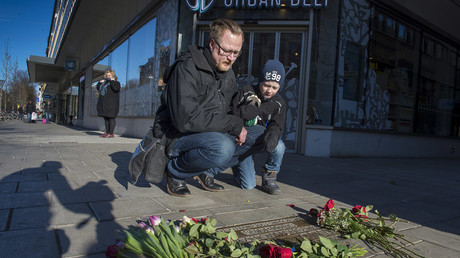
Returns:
<point x="288" y="46"/>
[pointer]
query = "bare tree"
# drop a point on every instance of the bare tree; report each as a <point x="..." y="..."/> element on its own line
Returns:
<point x="21" y="89"/>
<point x="5" y="72"/>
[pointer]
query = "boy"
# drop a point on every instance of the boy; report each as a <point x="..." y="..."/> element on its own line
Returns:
<point x="260" y="105"/>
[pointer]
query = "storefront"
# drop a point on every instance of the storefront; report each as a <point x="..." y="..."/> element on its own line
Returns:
<point x="364" y="78"/>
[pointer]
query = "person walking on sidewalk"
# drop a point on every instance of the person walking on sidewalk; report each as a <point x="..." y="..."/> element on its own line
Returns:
<point x="108" y="103"/>
<point x="29" y="110"/>
<point x="195" y="111"/>
<point x="260" y="105"/>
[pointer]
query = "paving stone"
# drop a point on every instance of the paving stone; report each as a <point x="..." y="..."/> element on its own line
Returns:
<point x="21" y="200"/>
<point x="4" y="219"/>
<point x="83" y="194"/>
<point x="126" y="208"/>
<point x="442" y="239"/>
<point x="7" y="188"/>
<point x="91" y="238"/>
<point x="51" y="216"/>
<point x="29" y="243"/>
<point x="28" y="187"/>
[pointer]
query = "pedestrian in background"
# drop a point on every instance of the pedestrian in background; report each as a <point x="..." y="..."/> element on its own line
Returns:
<point x="20" y="112"/>
<point x="108" y="102"/>
<point x="29" y="110"/>
<point x="48" y="109"/>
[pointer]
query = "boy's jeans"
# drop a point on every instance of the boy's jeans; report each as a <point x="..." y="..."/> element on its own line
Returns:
<point x="208" y="152"/>
<point x="245" y="173"/>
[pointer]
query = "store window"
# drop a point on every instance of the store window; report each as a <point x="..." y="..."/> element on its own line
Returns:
<point x="436" y="90"/>
<point x="393" y="58"/>
<point x="133" y="63"/>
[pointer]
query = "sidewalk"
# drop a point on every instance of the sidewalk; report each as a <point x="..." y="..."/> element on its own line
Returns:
<point x="65" y="191"/>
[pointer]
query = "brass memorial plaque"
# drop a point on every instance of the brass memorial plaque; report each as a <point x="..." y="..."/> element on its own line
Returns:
<point x="282" y="229"/>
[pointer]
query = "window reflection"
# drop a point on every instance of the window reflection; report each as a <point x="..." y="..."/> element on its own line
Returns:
<point x="141" y="53"/>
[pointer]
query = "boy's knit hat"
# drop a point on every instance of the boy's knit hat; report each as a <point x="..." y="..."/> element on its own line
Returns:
<point x="273" y="71"/>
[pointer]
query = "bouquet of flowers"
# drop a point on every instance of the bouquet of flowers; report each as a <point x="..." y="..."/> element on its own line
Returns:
<point x="199" y="238"/>
<point x="357" y="224"/>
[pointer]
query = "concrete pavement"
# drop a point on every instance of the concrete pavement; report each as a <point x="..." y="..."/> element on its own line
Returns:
<point x="64" y="192"/>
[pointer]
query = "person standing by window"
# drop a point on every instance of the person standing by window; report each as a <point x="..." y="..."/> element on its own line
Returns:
<point x="109" y="101"/>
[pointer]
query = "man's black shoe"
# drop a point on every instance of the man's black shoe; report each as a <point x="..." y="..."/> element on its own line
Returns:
<point x="176" y="187"/>
<point x="208" y="183"/>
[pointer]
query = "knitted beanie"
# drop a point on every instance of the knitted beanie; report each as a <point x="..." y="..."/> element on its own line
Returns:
<point x="273" y="71"/>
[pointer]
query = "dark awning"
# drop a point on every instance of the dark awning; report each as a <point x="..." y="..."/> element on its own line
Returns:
<point x="44" y="70"/>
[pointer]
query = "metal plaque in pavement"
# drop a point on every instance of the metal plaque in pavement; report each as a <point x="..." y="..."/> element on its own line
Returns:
<point x="284" y="229"/>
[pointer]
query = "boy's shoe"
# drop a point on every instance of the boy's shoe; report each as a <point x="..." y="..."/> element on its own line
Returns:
<point x="103" y="135"/>
<point x="269" y="182"/>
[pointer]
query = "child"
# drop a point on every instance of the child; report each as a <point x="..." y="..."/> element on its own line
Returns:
<point x="260" y="105"/>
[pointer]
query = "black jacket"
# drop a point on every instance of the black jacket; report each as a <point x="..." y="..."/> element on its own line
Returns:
<point x="30" y="108"/>
<point x="108" y="102"/>
<point x="47" y="108"/>
<point x="195" y="99"/>
<point x="272" y="113"/>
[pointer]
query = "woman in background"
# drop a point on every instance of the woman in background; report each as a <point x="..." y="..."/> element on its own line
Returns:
<point x="109" y="101"/>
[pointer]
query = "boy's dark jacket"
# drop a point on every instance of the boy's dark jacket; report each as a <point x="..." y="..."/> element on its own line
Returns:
<point x="272" y="112"/>
<point x="196" y="99"/>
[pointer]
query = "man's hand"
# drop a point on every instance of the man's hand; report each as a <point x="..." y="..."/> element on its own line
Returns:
<point x="242" y="137"/>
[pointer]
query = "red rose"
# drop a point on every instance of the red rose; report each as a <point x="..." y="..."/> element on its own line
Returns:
<point x="271" y="251"/>
<point x="282" y="252"/>
<point x="359" y="211"/>
<point x="266" y="251"/>
<point x="329" y="205"/>
<point x="112" y="251"/>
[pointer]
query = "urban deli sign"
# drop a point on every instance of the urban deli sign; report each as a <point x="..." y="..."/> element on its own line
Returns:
<point x="205" y="5"/>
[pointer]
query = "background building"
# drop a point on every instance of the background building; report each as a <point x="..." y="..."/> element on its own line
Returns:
<point x="364" y="77"/>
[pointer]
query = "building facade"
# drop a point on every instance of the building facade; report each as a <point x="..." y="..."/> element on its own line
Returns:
<point x="363" y="77"/>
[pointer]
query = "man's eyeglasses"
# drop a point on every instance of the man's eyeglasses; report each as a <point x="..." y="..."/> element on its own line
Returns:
<point x="225" y="52"/>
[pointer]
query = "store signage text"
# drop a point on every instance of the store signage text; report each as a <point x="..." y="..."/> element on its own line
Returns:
<point x="204" y="5"/>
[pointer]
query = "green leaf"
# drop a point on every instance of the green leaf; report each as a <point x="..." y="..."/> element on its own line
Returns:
<point x="212" y="252"/>
<point x="369" y="208"/>
<point x="209" y="242"/>
<point x="326" y="242"/>
<point x="221" y="235"/>
<point x="213" y="222"/>
<point x="194" y="231"/>
<point x="363" y="236"/>
<point x="232" y="235"/>
<point x="356" y="235"/>
<point x="236" y="253"/>
<point x="324" y="251"/>
<point x="334" y="252"/>
<point x="191" y="249"/>
<point x="306" y="246"/>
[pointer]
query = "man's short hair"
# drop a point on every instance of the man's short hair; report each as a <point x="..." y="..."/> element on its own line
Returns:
<point x="220" y="25"/>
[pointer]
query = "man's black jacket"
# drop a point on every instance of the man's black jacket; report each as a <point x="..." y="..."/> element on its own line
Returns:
<point x="195" y="99"/>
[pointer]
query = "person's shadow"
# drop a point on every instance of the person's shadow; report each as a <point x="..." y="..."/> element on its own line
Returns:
<point x="42" y="202"/>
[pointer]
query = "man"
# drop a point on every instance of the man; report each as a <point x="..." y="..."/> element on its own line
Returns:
<point x="29" y="110"/>
<point x="195" y="111"/>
